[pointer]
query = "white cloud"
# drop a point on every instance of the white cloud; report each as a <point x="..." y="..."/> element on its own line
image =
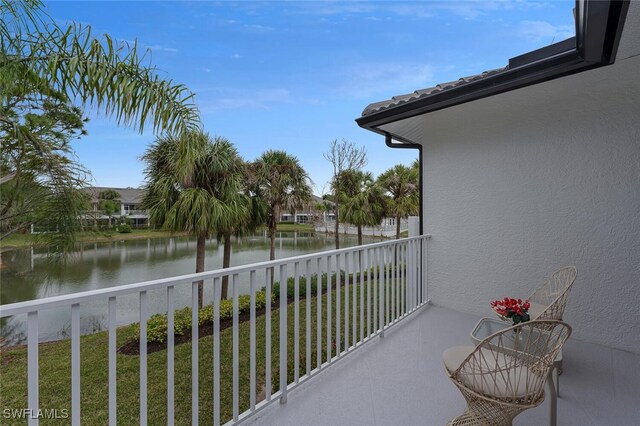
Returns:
<point x="470" y="9"/>
<point x="414" y="10"/>
<point x="386" y="79"/>
<point x="543" y="31"/>
<point x="152" y="47"/>
<point x="227" y="98"/>
<point x="377" y="19"/>
<point x="332" y="8"/>
<point x="258" y="28"/>
<point x="236" y="56"/>
<point x="157" y="47"/>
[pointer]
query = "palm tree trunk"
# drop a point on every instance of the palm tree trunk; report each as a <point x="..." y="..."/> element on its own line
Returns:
<point x="272" y="246"/>
<point x="226" y="261"/>
<point x="398" y="227"/>
<point x="337" y="233"/>
<point x="272" y="241"/>
<point x="200" y="252"/>
<point x="360" y="252"/>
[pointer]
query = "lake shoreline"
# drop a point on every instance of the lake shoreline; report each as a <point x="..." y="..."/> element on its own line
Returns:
<point x="21" y="241"/>
<point x="29" y="274"/>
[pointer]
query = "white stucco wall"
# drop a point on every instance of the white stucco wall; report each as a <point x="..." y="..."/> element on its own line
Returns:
<point x="522" y="183"/>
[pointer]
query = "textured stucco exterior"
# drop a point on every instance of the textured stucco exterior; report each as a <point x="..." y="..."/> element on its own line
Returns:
<point x="522" y="183"/>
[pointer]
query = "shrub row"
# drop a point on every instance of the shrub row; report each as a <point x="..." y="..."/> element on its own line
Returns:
<point x="124" y="228"/>
<point x="157" y="323"/>
<point x="302" y="285"/>
<point x="314" y="283"/>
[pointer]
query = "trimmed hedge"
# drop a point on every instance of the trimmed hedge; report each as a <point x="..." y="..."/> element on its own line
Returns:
<point x="314" y="284"/>
<point x="157" y="323"/>
<point x="302" y="286"/>
<point x="124" y="228"/>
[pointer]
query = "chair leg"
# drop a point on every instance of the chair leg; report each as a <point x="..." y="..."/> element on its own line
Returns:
<point x="556" y="379"/>
<point x="553" y="399"/>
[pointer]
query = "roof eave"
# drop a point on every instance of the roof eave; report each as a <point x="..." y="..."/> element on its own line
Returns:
<point x="594" y="48"/>
<point x="508" y="80"/>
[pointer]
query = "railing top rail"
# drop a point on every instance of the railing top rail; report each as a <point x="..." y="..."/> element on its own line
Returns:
<point x="85" y="296"/>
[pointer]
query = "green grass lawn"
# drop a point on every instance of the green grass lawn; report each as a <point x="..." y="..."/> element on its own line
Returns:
<point x="55" y="370"/>
<point x="16" y="241"/>
<point x="295" y="227"/>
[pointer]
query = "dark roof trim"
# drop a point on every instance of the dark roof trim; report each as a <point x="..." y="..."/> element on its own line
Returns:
<point x="388" y="139"/>
<point x="544" y="52"/>
<point x="598" y="31"/>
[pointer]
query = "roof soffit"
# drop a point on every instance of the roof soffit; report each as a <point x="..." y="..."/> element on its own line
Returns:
<point x="555" y="97"/>
<point x="538" y="68"/>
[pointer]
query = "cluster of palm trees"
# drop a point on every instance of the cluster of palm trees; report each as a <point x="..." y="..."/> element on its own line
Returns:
<point x="194" y="183"/>
<point x="48" y="74"/>
<point x="365" y="201"/>
<point x="201" y="185"/>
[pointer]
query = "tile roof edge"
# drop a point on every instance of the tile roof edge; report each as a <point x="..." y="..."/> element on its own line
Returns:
<point x="424" y="93"/>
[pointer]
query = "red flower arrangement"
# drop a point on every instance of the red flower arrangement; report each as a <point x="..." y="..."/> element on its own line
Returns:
<point x="514" y="309"/>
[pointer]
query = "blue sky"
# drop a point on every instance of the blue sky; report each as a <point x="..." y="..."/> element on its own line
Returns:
<point x="294" y="75"/>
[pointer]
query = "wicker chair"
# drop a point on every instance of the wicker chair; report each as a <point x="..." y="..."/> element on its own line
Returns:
<point x="550" y="299"/>
<point x="506" y="373"/>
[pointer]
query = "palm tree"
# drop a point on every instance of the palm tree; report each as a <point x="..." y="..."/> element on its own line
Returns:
<point x="401" y="182"/>
<point x="195" y="185"/>
<point x="39" y="173"/>
<point x="321" y="209"/>
<point x="344" y="157"/>
<point x="37" y="56"/>
<point x="363" y="203"/>
<point x="279" y="182"/>
<point x="109" y="203"/>
<point x="100" y="72"/>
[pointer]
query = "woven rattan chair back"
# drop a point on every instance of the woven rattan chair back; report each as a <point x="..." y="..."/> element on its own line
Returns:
<point x="554" y="293"/>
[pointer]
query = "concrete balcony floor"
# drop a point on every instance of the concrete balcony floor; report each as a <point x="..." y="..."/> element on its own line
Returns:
<point x="400" y="380"/>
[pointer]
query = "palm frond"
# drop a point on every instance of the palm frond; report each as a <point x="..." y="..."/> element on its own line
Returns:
<point x="97" y="71"/>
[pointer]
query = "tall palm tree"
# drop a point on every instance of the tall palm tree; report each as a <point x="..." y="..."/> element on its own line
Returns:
<point x="96" y="71"/>
<point x="38" y="56"/>
<point x="363" y="203"/>
<point x="344" y="157"/>
<point x="195" y="185"/>
<point x="279" y="182"/>
<point x="401" y="182"/>
<point x="109" y="203"/>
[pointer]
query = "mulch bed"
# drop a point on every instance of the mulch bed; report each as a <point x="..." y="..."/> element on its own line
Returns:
<point x="133" y="347"/>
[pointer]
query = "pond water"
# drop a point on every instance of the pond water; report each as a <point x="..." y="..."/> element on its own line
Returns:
<point x="29" y="274"/>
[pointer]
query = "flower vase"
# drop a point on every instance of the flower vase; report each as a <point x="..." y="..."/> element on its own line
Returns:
<point x="519" y="340"/>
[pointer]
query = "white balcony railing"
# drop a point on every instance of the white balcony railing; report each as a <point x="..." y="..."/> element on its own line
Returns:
<point x="136" y="213"/>
<point x="369" y="289"/>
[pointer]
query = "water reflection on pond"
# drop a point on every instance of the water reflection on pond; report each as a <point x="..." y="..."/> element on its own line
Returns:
<point x="28" y="274"/>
